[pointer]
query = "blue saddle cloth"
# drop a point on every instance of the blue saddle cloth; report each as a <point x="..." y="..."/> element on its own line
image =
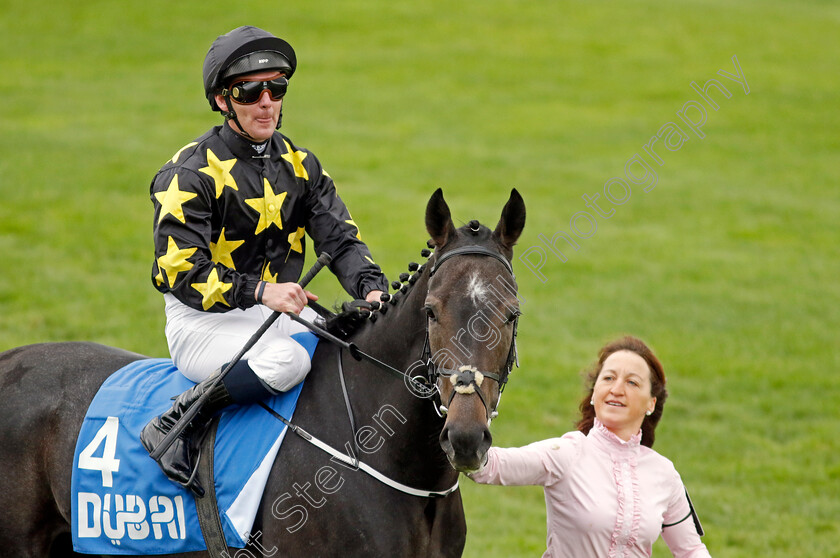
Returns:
<point x="122" y="503"/>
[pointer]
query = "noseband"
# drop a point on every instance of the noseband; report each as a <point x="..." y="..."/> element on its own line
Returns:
<point x="467" y="379"/>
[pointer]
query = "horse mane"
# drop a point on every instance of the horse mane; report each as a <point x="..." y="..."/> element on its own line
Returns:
<point x="347" y="318"/>
<point x="344" y="323"/>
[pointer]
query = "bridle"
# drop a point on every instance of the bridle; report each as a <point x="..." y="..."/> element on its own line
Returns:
<point x="468" y="379"/>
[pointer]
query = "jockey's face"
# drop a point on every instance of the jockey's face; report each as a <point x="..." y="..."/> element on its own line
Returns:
<point x="622" y="393"/>
<point x="258" y="119"/>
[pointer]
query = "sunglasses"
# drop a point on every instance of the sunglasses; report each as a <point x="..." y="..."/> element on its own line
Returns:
<point x="249" y="92"/>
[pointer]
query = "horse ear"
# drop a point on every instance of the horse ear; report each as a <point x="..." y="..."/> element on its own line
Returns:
<point x="439" y="219"/>
<point x="512" y="222"/>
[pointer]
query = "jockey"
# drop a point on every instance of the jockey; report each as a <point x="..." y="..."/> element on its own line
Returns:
<point x="231" y="210"/>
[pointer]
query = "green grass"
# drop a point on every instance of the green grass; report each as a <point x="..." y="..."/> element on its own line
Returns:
<point x="728" y="267"/>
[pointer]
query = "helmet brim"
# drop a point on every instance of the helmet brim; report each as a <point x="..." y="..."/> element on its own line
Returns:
<point x="257" y="62"/>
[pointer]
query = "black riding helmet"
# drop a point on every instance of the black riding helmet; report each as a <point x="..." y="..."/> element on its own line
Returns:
<point x="243" y="51"/>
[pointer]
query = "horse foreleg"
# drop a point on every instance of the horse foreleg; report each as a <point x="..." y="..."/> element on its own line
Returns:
<point x="448" y="526"/>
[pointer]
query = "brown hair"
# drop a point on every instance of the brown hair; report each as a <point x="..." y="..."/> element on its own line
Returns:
<point x="657" y="386"/>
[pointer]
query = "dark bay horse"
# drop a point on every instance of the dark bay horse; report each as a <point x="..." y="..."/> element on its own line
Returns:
<point x="459" y="322"/>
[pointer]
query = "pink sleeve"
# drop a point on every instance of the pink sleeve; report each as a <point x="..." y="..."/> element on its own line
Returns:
<point x="541" y="463"/>
<point x="684" y="541"/>
<point x="680" y="531"/>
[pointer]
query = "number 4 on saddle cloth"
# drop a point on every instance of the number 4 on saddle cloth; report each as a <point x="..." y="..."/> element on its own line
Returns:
<point x="122" y="503"/>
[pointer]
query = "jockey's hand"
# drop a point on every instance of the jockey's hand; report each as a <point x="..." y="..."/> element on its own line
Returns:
<point x="373" y="296"/>
<point x="285" y="297"/>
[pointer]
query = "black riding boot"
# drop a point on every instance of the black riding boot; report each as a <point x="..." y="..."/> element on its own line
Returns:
<point x="176" y="461"/>
<point x="240" y="385"/>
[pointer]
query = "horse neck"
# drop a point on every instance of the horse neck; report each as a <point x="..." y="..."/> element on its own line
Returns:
<point x="397" y="338"/>
<point x="399" y="333"/>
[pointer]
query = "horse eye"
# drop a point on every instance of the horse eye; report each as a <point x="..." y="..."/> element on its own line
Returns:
<point x="512" y="317"/>
<point x="429" y="312"/>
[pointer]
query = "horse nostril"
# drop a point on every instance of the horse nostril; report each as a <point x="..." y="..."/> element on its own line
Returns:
<point x="466" y="442"/>
<point x="444" y="435"/>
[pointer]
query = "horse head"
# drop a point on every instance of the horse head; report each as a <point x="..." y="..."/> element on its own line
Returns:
<point x="472" y="312"/>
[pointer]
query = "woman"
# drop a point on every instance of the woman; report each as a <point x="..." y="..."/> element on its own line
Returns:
<point x="607" y="493"/>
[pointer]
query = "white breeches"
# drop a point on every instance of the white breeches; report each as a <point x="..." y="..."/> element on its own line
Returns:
<point x="201" y="342"/>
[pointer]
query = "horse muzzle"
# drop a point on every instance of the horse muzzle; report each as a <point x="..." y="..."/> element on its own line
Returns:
<point x="466" y="447"/>
<point x="465" y="437"/>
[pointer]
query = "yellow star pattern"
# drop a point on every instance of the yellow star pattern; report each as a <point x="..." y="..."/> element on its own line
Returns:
<point x="295" y="243"/>
<point x="178" y="153"/>
<point x="172" y="200"/>
<point x="353" y="223"/>
<point x="219" y="171"/>
<point x="296" y="159"/>
<point x="174" y="261"/>
<point x="268" y="207"/>
<point x="220" y="251"/>
<point x="159" y="277"/>
<point x="294" y="240"/>
<point x="267" y="275"/>
<point x="213" y="290"/>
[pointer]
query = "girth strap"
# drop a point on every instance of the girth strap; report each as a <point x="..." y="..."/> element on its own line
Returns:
<point x="207" y="506"/>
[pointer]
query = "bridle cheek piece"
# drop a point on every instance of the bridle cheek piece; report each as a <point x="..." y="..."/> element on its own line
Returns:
<point x="467" y="379"/>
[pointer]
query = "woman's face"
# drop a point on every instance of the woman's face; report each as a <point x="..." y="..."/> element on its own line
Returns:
<point x="622" y="393"/>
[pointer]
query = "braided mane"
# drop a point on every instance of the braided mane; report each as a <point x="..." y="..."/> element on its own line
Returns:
<point x="348" y="320"/>
<point x="345" y="319"/>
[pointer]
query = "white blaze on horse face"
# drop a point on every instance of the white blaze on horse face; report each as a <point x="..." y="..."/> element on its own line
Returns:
<point x="477" y="288"/>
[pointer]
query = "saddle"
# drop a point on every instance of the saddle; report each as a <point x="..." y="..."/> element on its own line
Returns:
<point x="122" y="503"/>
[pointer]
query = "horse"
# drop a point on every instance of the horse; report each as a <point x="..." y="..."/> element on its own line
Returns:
<point x="451" y="324"/>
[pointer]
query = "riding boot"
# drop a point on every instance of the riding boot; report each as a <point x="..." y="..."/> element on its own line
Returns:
<point x="177" y="462"/>
<point x="241" y="385"/>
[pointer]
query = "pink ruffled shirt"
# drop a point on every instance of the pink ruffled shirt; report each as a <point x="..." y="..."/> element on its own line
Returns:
<point x="604" y="497"/>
